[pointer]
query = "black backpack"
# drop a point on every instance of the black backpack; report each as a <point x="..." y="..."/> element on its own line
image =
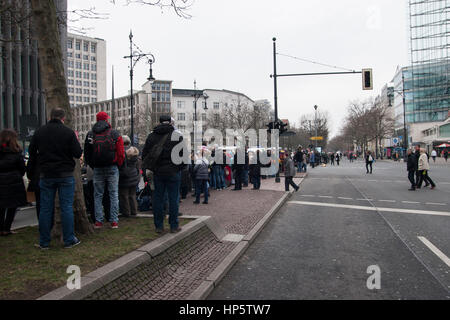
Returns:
<point x="153" y="156"/>
<point x="104" y="148"/>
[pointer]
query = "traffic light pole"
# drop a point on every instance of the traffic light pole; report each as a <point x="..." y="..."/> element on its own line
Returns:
<point x="275" y="99"/>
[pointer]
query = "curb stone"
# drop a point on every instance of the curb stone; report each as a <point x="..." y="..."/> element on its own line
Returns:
<point x="113" y="270"/>
<point x="213" y="280"/>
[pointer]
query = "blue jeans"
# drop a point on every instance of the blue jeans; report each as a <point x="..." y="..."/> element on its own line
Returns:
<point x="213" y="179"/>
<point x="171" y="185"/>
<point x="219" y="177"/>
<point x="66" y="188"/>
<point x="245" y="177"/>
<point x="299" y="167"/>
<point x="201" y="186"/>
<point x="304" y="166"/>
<point x="109" y="175"/>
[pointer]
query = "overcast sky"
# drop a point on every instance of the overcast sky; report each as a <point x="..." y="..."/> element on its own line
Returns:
<point x="227" y="44"/>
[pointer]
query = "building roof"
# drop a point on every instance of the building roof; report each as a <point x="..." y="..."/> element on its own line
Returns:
<point x="186" y="92"/>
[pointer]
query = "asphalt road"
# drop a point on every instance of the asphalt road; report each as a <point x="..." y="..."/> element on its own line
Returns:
<point x="342" y="221"/>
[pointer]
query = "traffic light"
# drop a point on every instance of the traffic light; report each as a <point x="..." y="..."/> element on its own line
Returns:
<point x="270" y="126"/>
<point x="282" y="126"/>
<point x="367" y="79"/>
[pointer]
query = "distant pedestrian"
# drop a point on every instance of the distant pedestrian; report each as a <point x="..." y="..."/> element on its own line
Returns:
<point x="338" y="158"/>
<point x="332" y="159"/>
<point x="298" y="159"/>
<point x="304" y="161"/>
<point x="312" y="159"/>
<point x="128" y="180"/>
<point x="289" y="174"/>
<point x="417" y="155"/>
<point x="369" y="162"/>
<point x="104" y="152"/>
<point x="238" y="169"/>
<point x="201" y="178"/>
<point x="12" y="188"/>
<point x="445" y="155"/>
<point x="55" y="147"/>
<point x="424" y="167"/>
<point x="255" y="170"/>
<point x="157" y="157"/>
<point x="411" y="168"/>
<point x="434" y="155"/>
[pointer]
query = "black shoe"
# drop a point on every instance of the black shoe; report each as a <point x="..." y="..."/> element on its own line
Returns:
<point x="73" y="244"/>
<point x="41" y="247"/>
<point x="175" y="230"/>
<point x="297" y="189"/>
<point x="205" y="202"/>
<point x="159" y="230"/>
<point x="196" y="202"/>
<point x="412" y="189"/>
<point x="180" y="214"/>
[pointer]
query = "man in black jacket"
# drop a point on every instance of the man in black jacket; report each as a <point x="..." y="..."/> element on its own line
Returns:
<point x="417" y="156"/>
<point x="166" y="174"/>
<point x="411" y="166"/>
<point x="55" y="147"/>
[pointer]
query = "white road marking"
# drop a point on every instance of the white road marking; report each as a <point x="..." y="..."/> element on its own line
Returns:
<point x="372" y="180"/>
<point x="436" y="204"/>
<point x="364" y="199"/>
<point x="337" y="205"/>
<point x="413" y="202"/>
<point x="328" y="197"/>
<point x="435" y="250"/>
<point x="387" y="201"/>
<point x="307" y="195"/>
<point x="343" y="198"/>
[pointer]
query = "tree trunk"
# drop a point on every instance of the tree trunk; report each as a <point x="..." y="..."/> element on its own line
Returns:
<point x="54" y="83"/>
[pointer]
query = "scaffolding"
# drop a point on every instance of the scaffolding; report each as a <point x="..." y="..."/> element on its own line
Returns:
<point x="428" y="97"/>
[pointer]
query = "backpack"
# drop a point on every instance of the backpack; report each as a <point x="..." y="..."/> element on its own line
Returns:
<point x="104" y="148"/>
<point x="155" y="152"/>
<point x="370" y="158"/>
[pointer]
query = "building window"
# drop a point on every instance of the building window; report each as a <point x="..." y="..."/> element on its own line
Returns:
<point x="94" y="84"/>
<point x="181" y="116"/>
<point x="93" y="59"/>
<point x="86" y="83"/>
<point x="216" y="105"/>
<point x="70" y="54"/>
<point x="78" y="82"/>
<point x="71" y="98"/>
<point x="78" y="45"/>
<point x="93" y="76"/>
<point x="71" y="64"/>
<point x="70" y="73"/>
<point x="85" y="57"/>
<point x="203" y="116"/>
<point x="93" y="67"/>
<point x="77" y="55"/>
<point x="78" y="74"/>
<point x="70" y="43"/>
<point x="86" y="46"/>
<point x="180" y="104"/>
<point x="93" y="48"/>
<point x="86" y="66"/>
<point x="85" y="75"/>
<point x="86" y="91"/>
<point x="78" y="65"/>
<point x="78" y="90"/>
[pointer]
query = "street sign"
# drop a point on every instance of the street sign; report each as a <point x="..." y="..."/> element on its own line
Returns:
<point x="316" y="138"/>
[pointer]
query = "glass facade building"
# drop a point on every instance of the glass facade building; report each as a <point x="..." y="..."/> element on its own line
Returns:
<point x="427" y="81"/>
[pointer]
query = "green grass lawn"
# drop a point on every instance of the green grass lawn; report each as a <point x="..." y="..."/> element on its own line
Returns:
<point x="27" y="272"/>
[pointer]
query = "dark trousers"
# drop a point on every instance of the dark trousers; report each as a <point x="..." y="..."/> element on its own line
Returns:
<point x="256" y="181"/>
<point x="238" y="179"/>
<point x="411" y="179"/>
<point x="424" y="177"/>
<point x="127" y="201"/>
<point x="369" y="164"/>
<point x="201" y="186"/>
<point x="6" y="218"/>
<point x="37" y="195"/>
<point x="289" y="181"/>
<point x="417" y="177"/>
<point x="169" y="185"/>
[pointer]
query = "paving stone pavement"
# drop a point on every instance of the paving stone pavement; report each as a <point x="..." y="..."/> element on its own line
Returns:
<point x="178" y="271"/>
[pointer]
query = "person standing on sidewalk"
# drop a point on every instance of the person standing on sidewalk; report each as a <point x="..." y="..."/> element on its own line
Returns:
<point x="201" y="178"/>
<point x="338" y="158"/>
<point x="289" y="173"/>
<point x="238" y="169"/>
<point x="434" y="155"/>
<point x="411" y="168"/>
<point x="55" y="147"/>
<point x="128" y="180"/>
<point x="312" y="159"/>
<point x="104" y="152"/>
<point x="424" y="167"/>
<point x="157" y="157"/>
<point x="255" y="170"/>
<point x="445" y="155"/>
<point x="369" y="162"/>
<point x="12" y="188"/>
<point x="298" y="159"/>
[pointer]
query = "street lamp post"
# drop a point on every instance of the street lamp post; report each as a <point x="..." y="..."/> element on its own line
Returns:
<point x="134" y="57"/>
<point x="197" y="95"/>
<point x="315" y="122"/>
<point x="405" y="143"/>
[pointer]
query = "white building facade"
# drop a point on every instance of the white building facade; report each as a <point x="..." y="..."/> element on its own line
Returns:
<point x="86" y="69"/>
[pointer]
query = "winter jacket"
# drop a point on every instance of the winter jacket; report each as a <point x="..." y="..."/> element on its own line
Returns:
<point x="298" y="157"/>
<point x="164" y="165"/>
<point x="423" y="162"/>
<point x="129" y="172"/>
<point x="417" y="155"/>
<point x="289" y="167"/>
<point x="33" y="173"/>
<point x="368" y="158"/>
<point x="201" y="169"/>
<point x="411" y="164"/>
<point x="12" y="188"/>
<point x="54" y="146"/>
<point x="100" y="127"/>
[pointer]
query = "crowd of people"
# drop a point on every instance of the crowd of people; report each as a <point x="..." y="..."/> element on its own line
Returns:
<point x="114" y="168"/>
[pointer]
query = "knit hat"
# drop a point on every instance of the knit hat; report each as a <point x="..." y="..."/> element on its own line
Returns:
<point x="164" y="118"/>
<point x="102" y="116"/>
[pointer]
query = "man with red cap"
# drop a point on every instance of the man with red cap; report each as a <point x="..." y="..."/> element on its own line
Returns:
<point x="104" y="152"/>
